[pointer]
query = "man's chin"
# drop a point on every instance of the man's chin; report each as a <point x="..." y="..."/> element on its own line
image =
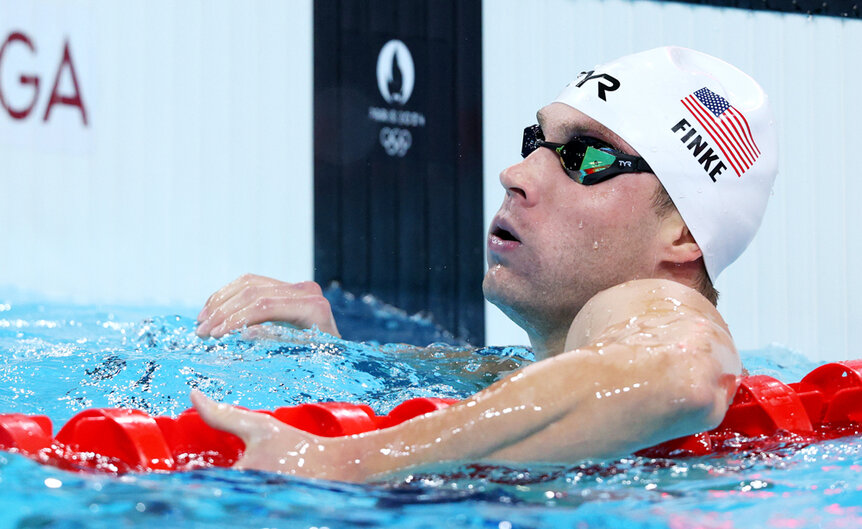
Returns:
<point x="502" y="295"/>
<point x="491" y="285"/>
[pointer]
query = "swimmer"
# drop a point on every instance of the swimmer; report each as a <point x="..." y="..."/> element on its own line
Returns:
<point x="643" y="180"/>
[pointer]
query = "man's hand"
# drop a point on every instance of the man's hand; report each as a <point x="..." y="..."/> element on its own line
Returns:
<point x="252" y="299"/>
<point x="272" y="445"/>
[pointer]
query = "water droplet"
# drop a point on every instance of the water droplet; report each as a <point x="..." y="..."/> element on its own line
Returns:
<point x="595" y="245"/>
<point x="581" y="225"/>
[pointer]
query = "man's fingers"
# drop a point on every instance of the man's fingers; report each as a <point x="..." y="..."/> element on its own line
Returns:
<point x="252" y="299"/>
<point x="217" y="297"/>
<point x="226" y="292"/>
<point x="273" y="446"/>
<point x="231" y="298"/>
<point x="242" y="311"/>
<point x="247" y="425"/>
<point x="218" y="415"/>
<point x="302" y="312"/>
<point x="246" y="297"/>
<point x="230" y="290"/>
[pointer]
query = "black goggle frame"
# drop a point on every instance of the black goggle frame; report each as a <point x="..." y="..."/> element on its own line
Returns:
<point x="586" y="160"/>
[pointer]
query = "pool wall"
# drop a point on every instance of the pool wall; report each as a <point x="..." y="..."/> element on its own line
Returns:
<point x="179" y="154"/>
<point x="195" y="161"/>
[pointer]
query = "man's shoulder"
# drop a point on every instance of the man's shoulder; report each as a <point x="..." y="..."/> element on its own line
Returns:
<point x="644" y="293"/>
<point x="639" y="301"/>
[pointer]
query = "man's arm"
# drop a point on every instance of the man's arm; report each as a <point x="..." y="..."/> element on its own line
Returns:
<point x="652" y="360"/>
<point x="252" y="299"/>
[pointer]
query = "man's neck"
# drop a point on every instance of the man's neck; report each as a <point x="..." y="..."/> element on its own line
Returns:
<point x="547" y="345"/>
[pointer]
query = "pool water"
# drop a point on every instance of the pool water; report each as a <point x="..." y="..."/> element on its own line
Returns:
<point x="58" y="359"/>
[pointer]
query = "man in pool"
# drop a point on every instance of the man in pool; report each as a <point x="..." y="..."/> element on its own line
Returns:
<point x="643" y="180"/>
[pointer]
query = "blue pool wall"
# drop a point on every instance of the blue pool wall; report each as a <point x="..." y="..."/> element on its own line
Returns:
<point x="195" y="161"/>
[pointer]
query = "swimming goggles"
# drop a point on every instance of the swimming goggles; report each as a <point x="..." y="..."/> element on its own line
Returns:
<point x="587" y="160"/>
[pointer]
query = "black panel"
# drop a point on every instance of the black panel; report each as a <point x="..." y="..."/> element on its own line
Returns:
<point x="842" y="8"/>
<point x="468" y="196"/>
<point x="404" y="224"/>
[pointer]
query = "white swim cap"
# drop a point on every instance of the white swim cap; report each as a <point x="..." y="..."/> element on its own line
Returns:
<point x="706" y="130"/>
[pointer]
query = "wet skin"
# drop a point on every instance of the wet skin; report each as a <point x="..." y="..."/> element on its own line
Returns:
<point x="652" y="361"/>
<point x="555" y="243"/>
<point x="622" y="364"/>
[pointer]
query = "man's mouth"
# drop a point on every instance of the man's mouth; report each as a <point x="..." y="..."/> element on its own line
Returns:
<point x="503" y="237"/>
<point x="504" y="234"/>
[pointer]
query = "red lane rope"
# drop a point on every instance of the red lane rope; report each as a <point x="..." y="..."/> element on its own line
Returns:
<point x="765" y="414"/>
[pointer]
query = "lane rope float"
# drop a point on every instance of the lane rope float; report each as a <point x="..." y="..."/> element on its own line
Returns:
<point x="765" y="414"/>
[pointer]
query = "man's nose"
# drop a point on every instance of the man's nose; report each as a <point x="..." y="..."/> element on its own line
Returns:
<point x="522" y="181"/>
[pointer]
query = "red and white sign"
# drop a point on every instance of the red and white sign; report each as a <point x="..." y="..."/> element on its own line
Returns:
<point x="48" y="81"/>
<point x="32" y="82"/>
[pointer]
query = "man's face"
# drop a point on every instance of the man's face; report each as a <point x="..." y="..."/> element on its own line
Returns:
<point x="555" y="243"/>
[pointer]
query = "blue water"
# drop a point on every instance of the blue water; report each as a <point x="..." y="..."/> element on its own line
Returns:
<point x="59" y="359"/>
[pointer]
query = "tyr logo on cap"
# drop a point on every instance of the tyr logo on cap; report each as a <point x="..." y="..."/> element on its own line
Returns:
<point x="612" y="83"/>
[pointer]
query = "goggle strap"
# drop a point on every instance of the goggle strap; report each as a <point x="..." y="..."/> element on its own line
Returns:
<point x="643" y="166"/>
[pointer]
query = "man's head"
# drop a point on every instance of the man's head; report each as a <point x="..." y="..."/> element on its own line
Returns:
<point x="706" y="134"/>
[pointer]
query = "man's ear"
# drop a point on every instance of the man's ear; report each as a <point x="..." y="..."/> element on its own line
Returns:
<point x="678" y="244"/>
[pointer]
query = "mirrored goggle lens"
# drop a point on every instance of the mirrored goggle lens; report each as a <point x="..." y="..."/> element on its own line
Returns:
<point x="579" y="157"/>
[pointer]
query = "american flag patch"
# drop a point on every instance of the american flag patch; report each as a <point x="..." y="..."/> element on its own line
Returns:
<point x="727" y="127"/>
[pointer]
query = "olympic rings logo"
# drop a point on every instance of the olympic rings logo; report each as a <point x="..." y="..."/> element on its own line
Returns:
<point x="395" y="141"/>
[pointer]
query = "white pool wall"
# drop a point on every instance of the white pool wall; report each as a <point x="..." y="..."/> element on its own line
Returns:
<point x="196" y="162"/>
<point x="795" y="285"/>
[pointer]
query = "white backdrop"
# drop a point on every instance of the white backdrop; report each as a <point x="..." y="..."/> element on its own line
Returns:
<point x="794" y="286"/>
<point x="195" y="164"/>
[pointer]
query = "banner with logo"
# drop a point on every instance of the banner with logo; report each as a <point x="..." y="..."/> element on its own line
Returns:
<point x="398" y="171"/>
